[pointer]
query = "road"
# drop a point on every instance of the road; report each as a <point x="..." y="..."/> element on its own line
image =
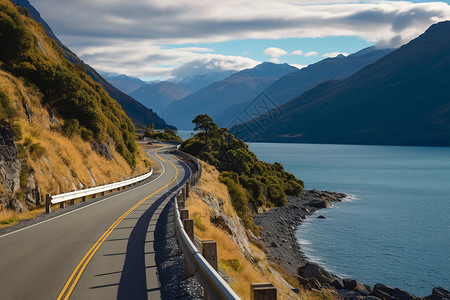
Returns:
<point x="103" y="250"/>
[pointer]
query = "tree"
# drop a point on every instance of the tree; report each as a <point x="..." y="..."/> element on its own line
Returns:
<point x="205" y="123"/>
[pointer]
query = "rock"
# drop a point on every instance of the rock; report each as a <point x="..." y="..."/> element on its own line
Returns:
<point x="218" y="221"/>
<point x="273" y="244"/>
<point x="388" y="293"/>
<point x="320" y="203"/>
<point x="102" y="149"/>
<point x="338" y="283"/>
<point x="354" y="285"/>
<point x="312" y="270"/>
<point x="321" y="217"/>
<point x="439" y="293"/>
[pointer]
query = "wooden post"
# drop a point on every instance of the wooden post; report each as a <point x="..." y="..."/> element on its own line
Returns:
<point x="62" y="205"/>
<point x="209" y="252"/>
<point x="83" y="199"/>
<point x="263" y="291"/>
<point x="188" y="225"/>
<point x="181" y="205"/>
<point x="37" y="196"/>
<point x="103" y="193"/>
<point x="184" y="214"/>
<point x="48" y="203"/>
<point x="183" y="192"/>
<point x="72" y="202"/>
<point x="188" y="188"/>
<point x="94" y="196"/>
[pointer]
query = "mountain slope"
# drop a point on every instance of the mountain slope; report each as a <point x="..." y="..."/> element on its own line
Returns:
<point x="126" y="84"/>
<point x="139" y="114"/>
<point x="296" y="83"/>
<point x="159" y="95"/>
<point x="402" y="99"/>
<point x="59" y="130"/>
<point x="199" y="81"/>
<point x="221" y="95"/>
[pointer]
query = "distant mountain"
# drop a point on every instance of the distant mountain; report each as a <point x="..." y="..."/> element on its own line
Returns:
<point x="139" y="114"/>
<point x="294" y="84"/>
<point x="221" y="95"/>
<point x="402" y="99"/>
<point x="197" y="82"/>
<point x="125" y="83"/>
<point x="159" y="95"/>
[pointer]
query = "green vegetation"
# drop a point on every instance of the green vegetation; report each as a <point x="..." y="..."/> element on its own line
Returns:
<point x="231" y="265"/>
<point x="66" y="88"/>
<point x="167" y="135"/>
<point x="248" y="179"/>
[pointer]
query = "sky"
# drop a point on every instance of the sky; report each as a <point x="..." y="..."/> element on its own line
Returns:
<point x="160" y="39"/>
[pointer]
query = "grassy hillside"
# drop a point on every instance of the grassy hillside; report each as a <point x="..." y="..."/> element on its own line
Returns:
<point x="244" y="265"/>
<point x="66" y="88"/>
<point x="55" y="116"/>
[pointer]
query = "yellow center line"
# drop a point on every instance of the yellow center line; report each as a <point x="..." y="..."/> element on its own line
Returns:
<point x="87" y="258"/>
<point x="156" y="153"/>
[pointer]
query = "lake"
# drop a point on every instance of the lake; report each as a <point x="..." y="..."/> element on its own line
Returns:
<point x="394" y="229"/>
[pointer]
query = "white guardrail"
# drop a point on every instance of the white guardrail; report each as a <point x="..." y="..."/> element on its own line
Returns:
<point x="214" y="285"/>
<point x="98" y="189"/>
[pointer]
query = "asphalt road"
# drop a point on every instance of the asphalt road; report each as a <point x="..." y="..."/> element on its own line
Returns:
<point x="102" y="250"/>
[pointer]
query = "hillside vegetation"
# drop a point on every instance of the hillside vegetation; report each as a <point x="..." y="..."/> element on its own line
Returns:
<point x="249" y="180"/>
<point x="65" y="88"/>
<point x="240" y="256"/>
<point x="52" y="116"/>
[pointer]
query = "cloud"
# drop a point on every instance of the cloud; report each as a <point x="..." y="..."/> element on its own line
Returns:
<point x="334" y="54"/>
<point x="213" y="63"/>
<point x="275" y="52"/>
<point x="297" y="52"/>
<point x="311" y="53"/>
<point x="108" y="26"/>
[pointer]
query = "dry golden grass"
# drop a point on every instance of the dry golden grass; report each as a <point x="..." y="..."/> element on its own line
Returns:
<point x="243" y="272"/>
<point x="9" y="218"/>
<point x="67" y="163"/>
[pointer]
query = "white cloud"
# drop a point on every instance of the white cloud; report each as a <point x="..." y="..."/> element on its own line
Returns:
<point x="311" y="53"/>
<point x="275" y="52"/>
<point x="334" y="54"/>
<point x="106" y="30"/>
<point x="297" y="52"/>
<point x="213" y="63"/>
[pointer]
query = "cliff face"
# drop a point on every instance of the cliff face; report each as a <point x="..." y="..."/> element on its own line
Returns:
<point x="9" y="163"/>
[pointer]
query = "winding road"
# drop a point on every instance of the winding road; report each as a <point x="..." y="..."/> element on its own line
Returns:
<point x="99" y="250"/>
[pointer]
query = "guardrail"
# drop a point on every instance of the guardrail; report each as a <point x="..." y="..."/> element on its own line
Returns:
<point x="71" y="196"/>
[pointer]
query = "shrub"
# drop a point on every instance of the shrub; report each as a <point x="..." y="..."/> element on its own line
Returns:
<point x="36" y="151"/>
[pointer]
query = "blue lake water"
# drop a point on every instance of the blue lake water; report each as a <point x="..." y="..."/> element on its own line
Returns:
<point x="395" y="230"/>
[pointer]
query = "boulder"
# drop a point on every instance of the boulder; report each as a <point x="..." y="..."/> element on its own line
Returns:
<point x="388" y="293"/>
<point x="321" y="217"/>
<point x="312" y="270"/>
<point x="338" y="283"/>
<point x="324" y="203"/>
<point x="354" y="285"/>
<point x="439" y="293"/>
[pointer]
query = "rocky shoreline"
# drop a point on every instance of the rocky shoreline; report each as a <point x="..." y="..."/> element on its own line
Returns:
<point x="278" y="235"/>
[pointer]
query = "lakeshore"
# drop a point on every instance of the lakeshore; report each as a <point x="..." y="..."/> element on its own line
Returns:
<point x="279" y="226"/>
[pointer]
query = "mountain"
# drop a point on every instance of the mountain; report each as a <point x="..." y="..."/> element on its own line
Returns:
<point x="139" y="114"/>
<point x="296" y="83"/>
<point x="125" y="83"/>
<point x="402" y="99"/>
<point x="159" y="95"/>
<point x="199" y="81"/>
<point x="221" y="95"/>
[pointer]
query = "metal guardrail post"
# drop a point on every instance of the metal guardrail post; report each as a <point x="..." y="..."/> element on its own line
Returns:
<point x="263" y="291"/>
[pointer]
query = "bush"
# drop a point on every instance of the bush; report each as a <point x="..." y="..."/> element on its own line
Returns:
<point x="36" y="151"/>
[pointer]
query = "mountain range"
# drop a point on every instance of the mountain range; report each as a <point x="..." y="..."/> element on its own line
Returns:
<point x="159" y="95"/>
<point x="296" y="83"/>
<point x="220" y="95"/>
<point x="125" y="83"/>
<point x="402" y="99"/>
<point x="139" y="114"/>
